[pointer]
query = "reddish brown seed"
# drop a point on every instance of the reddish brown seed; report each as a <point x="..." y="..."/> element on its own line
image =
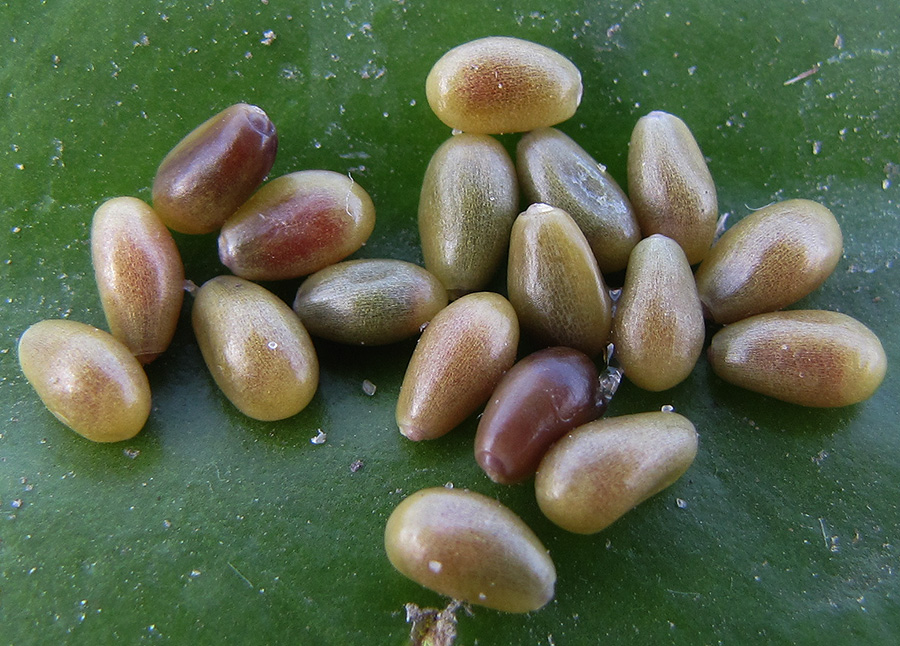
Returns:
<point x="212" y="171"/>
<point x="139" y="274"/>
<point x="539" y="400"/>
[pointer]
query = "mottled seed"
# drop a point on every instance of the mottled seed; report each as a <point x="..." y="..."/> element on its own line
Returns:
<point x="255" y="347"/>
<point x="497" y="84"/>
<point x="807" y="357"/>
<point x="542" y="397"/>
<point x="658" y="328"/>
<point x="139" y="275"/>
<point x="90" y="381"/>
<point x="469" y="200"/>
<point x="554" y="283"/>
<point x="470" y="547"/>
<point x="553" y="169"/>
<point x="603" y="469"/>
<point x="212" y="171"/>
<point x="369" y="302"/>
<point x="296" y="225"/>
<point x="670" y="186"/>
<point x="768" y="260"/>
<point x="459" y="359"/>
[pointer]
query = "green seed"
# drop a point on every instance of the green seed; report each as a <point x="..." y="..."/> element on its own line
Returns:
<point x="770" y="259"/>
<point x="369" y="302"/>
<point x="603" y="469"/>
<point x="470" y="547"/>
<point x="807" y="357"/>
<point x="90" y="381"/>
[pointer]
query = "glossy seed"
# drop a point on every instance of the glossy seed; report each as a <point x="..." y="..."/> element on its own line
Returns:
<point x="603" y="469"/>
<point x="90" y="381"/>
<point x="469" y="547"/>
<point x="255" y="347"/>
<point x="369" y="302"/>
<point x="459" y="359"/>
<point x="469" y="200"/>
<point x="658" y="328"/>
<point x="212" y="171"/>
<point x="670" y="186"/>
<point x="553" y="169"/>
<point x="542" y="397"/>
<point x="296" y="225"/>
<point x="498" y="84"/>
<point x="139" y="275"/>
<point x="770" y="259"/>
<point x="807" y="357"/>
<point x="554" y="283"/>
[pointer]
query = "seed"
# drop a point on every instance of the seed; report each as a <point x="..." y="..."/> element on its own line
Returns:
<point x="255" y="347"/>
<point x="542" y="397"/>
<point x="553" y="169"/>
<point x="497" y="84"/>
<point x="770" y="259"/>
<point x="369" y="302"/>
<point x="670" y="186"/>
<point x="603" y="469"/>
<point x="554" y="283"/>
<point x="807" y="357"/>
<point x="469" y="547"/>
<point x="469" y="200"/>
<point x="296" y="225"/>
<point x="658" y="328"/>
<point x="90" y="381"/>
<point x="459" y="359"/>
<point x="212" y="171"/>
<point x="139" y="275"/>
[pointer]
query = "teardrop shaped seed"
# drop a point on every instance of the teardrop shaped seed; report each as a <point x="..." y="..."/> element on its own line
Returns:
<point x="459" y="359"/>
<point x="469" y="200"/>
<point x="498" y="84"/>
<point x="90" y="381"/>
<point x="369" y="302"/>
<point x="213" y="170"/>
<point x="469" y="547"/>
<point x="542" y="397"/>
<point x="554" y="283"/>
<point x="139" y="275"/>
<point x="602" y="470"/>
<point x="255" y="347"/>
<point x="658" y="328"/>
<point x="770" y="259"/>
<point x="670" y="186"/>
<point x="555" y="170"/>
<point x="296" y="225"/>
<point x="807" y="357"/>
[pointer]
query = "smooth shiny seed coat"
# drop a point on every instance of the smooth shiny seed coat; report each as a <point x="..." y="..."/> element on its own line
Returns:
<point x="459" y="359"/>
<point x="553" y="169"/>
<point x="296" y="225"/>
<point x="212" y="171"/>
<point x="603" y="469"/>
<point x="658" y="328"/>
<point x="255" y="347"/>
<point x="770" y="259"/>
<point x="807" y="357"/>
<point x="139" y="275"/>
<point x="554" y="283"/>
<point x="369" y="302"/>
<point x="498" y="84"/>
<point x="90" y="381"/>
<point x="469" y="200"/>
<point x="470" y="547"/>
<point x="542" y="397"/>
<point x="670" y="186"/>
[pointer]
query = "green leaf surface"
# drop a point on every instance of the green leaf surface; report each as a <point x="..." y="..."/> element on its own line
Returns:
<point x="209" y="527"/>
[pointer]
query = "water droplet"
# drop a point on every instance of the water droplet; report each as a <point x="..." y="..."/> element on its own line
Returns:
<point x="435" y="566"/>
